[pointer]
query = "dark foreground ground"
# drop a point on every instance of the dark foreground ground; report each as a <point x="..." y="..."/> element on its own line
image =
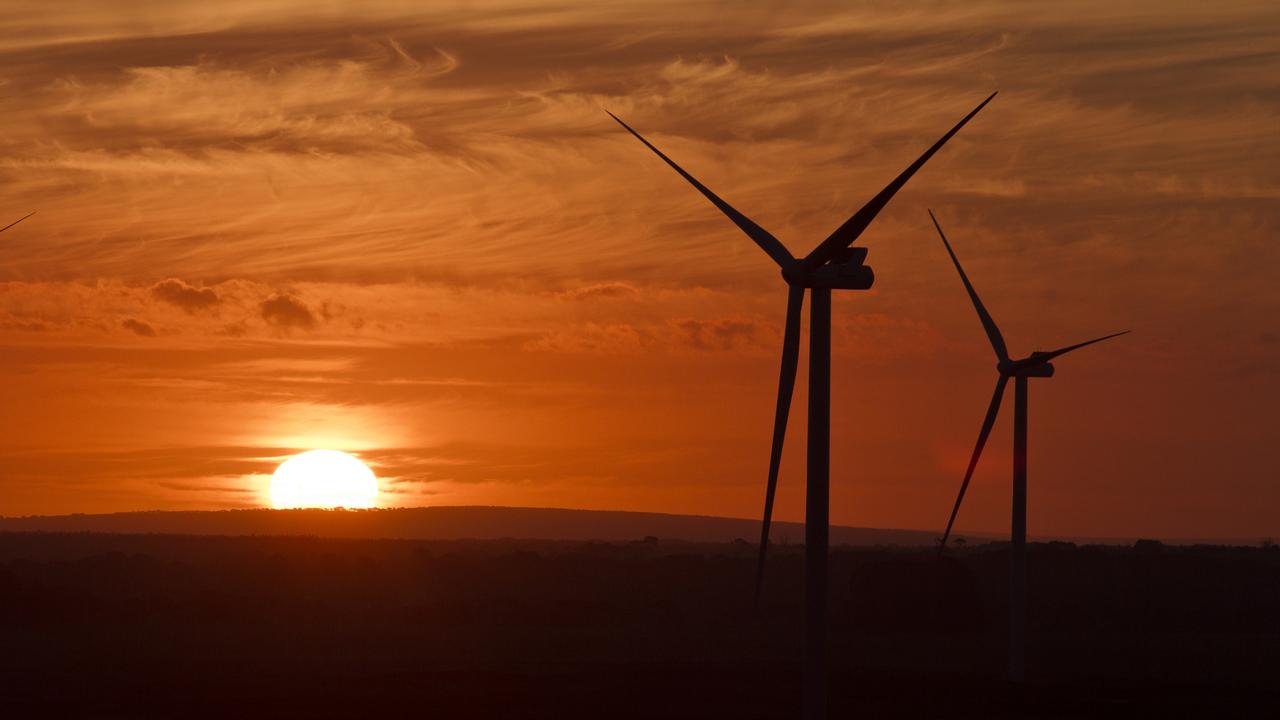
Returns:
<point x="175" y="626"/>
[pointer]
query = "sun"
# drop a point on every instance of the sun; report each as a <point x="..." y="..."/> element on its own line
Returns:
<point x="325" y="479"/>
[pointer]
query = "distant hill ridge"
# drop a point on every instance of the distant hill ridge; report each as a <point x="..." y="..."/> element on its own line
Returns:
<point x="457" y="522"/>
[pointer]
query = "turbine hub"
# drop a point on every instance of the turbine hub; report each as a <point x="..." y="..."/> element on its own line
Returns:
<point x="794" y="274"/>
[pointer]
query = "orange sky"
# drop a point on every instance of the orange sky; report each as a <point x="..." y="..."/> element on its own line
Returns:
<point x="413" y="234"/>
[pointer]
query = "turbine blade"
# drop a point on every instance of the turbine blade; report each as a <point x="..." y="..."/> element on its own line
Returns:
<point x="786" y="384"/>
<point x="992" y="411"/>
<point x="844" y="235"/>
<point x="993" y="332"/>
<point x="1046" y="357"/>
<point x="15" y="222"/>
<point x="766" y="241"/>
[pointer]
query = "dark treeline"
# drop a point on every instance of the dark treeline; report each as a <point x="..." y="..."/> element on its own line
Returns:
<point x="446" y="522"/>
<point x="126" y="625"/>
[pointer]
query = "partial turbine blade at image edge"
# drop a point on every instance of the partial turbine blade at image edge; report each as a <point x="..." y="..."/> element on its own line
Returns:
<point x="844" y="235"/>
<point x="988" y="324"/>
<point x="786" y="386"/>
<point x="762" y="237"/>
<point x="992" y="411"/>
<point x="15" y="222"/>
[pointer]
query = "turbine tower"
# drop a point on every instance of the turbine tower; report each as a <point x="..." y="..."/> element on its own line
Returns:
<point x="832" y="265"/>
<point x="1034" y="365"/>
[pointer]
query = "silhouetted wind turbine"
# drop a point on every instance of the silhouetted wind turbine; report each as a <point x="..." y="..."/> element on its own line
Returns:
<point x="833" y="264"/>
<point x="15" y="222"/>
<point x="1034" y="365"/>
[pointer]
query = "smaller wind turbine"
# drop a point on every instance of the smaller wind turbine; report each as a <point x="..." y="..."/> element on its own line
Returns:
<point x="15" y="222"/>
<point x="1034" y="365"/>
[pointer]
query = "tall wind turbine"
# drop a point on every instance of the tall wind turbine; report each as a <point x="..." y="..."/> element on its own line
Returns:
<point x="832" y="265"/>
<point x="15" y="222"/>
<point x="1034" y="365"/>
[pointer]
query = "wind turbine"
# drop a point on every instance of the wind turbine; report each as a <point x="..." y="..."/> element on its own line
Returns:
<point x="832" y="265"/>
<point x="1034" y="365"/>
<point x="15" y="222"/>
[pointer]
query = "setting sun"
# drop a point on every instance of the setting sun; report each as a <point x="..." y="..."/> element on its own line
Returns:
<point x="323" y="478"/>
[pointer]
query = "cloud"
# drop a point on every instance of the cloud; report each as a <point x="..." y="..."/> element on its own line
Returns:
<point x="478" y="462"/>
<point x="8" y="322"/>
<point x="593" y="338"/>
<point x="235" y="329"/>
<point x="287" y="312"/>
<point x="138" y="327"/>
<point x="679" y="335"/>
<point x="341" y="104"/>
<point x="721" y="333"/>
<point x="177" y="292"/>
<point x="168" y="464"/>
<point x="599" y="290"/>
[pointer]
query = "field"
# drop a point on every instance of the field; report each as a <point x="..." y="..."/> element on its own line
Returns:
<point x="122" y="626"/>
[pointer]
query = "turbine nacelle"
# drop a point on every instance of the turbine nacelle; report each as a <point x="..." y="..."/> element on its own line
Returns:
<point x="842" y="277"/>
